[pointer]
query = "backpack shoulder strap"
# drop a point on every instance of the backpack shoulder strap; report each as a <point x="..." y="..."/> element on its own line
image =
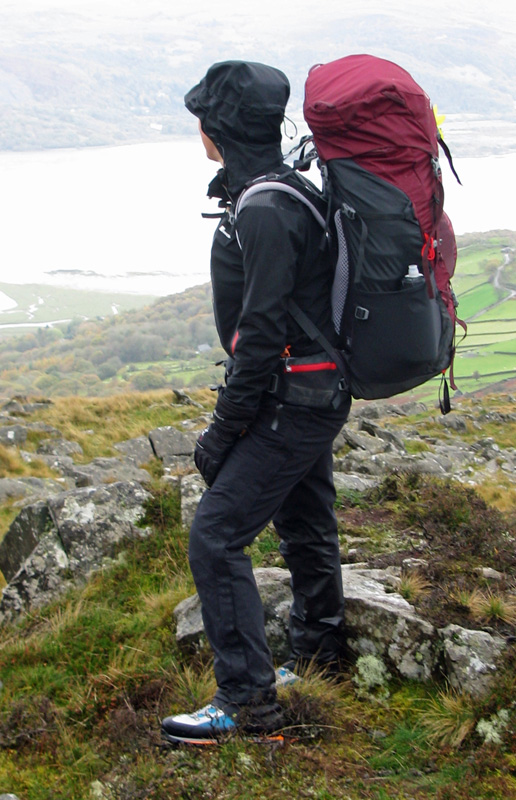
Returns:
<point x="264" y="185"/>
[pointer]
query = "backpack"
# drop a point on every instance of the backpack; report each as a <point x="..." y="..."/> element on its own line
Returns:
<point x="377" y="139"/>
<point x="394" y="249"/>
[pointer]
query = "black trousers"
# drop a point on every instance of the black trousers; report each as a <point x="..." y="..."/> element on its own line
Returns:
<point x="280" y="470"/>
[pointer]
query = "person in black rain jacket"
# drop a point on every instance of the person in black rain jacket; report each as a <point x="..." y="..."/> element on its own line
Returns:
<point x="264" y="458"/>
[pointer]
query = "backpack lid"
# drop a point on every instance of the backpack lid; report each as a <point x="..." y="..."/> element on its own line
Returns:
<point x="362" y="104"/>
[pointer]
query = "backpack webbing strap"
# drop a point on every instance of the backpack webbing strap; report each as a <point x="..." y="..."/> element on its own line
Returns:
<point x="313" y="333"/>
<point x="449" y="157"/>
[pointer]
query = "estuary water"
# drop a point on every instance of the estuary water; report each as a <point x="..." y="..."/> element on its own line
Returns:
<point x="128" y="218"/>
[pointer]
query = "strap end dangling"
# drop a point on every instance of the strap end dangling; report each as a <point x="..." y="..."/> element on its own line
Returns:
<point x="444" y="396"/>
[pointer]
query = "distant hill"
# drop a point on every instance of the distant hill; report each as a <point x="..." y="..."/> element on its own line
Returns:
<point x="69" y="78"/>
<point x="173" y="342"/>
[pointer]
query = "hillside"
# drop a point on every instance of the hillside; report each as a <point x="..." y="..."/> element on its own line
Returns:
<point x="80" y="77"/>
<point x="86" y="679"/>
<point x="172" y="341"/>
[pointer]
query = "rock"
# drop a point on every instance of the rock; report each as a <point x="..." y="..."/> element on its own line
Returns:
<point x="383" y="463"/>
<point x="382" y="433"/>
<point x="276" y="595"/>
<point x="470" y="659"/>
<point x="22" y="537"/>
<point x="345" y="481"/>
<point x="39" y="581"/>
<point x="368" y="443"/>
<point x="13" y="435"/>
<point x="51" y="545"/>
<point x="59" y="447"/>
<point x="14" y="408"/>
<point x="371" y="410"/>
<point x="274" y="587"/>
<point x="168" y="442"/>
<point x="376" y="622"/>
<point x="386" y="625"/>
<point x="92" y="521"/>
<point x="414" y="563"/>
<point x="189" y="624"/>
<point x="486" y="448"/>
<point x="104" y="470"/>
<point x="61" y="464"/>
<point x="138" y="449"/>
<point x="453" y="422"/>
<point x="23" y="487"/>
<point x="489" y="574"/>
<point x="192" y="489"/>
<point x="8" y="797"/>
<point x="413" y="407"/>
<point x="182" y="399"/>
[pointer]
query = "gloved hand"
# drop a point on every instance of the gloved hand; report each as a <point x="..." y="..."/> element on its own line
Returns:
<point x="215" y="442"/>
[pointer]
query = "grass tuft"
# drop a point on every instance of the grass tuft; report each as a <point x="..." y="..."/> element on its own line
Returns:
<point x="448" y="719"/>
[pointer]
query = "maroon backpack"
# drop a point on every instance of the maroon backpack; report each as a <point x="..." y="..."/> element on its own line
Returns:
<point x="377" y="141"/>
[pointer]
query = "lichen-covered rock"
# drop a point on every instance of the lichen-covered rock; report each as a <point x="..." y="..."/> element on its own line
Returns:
<point x="52" y="544"/>
<point x="470" y="658"/>
<point x="385" y="625"/>
<point x="192" y="489"/>
<point x="22" y="537"/>
<point x="376" y="622"/>
<point x="39" y="581"/>
<point x="92" y="521"/>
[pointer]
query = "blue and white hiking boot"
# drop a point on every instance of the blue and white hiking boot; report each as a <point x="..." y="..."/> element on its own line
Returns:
<point x="285" y="677"/>
<point x="207" y="726"/>
<point x="211" y="725"/>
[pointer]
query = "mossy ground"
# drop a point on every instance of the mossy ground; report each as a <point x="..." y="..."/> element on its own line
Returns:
<point x="86" y="680"/>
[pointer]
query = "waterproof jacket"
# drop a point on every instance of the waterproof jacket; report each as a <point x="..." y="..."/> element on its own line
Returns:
<point x="272" y="251"/>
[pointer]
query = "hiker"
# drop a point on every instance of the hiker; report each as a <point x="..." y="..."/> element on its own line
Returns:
<point x="264" y="457"/>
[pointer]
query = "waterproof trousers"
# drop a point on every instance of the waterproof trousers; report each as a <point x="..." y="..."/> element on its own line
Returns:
<point x="280" y="470"/>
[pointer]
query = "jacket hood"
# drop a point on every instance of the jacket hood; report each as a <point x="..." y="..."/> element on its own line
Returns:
<point x="241" y="106"/>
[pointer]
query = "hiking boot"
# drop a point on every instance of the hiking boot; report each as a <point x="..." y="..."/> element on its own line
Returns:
<point x="211" y="724"/>
<point x="206" y="726"/>
<point x="285" y="676"/>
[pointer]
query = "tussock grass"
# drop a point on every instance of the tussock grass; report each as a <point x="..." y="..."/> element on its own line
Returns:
<point x="489" y="606"/>
<point x="413" y="586"/>
<point x="448" y="719"/>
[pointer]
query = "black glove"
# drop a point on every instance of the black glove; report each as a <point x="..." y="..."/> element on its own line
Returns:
<point x="215" y="442"/>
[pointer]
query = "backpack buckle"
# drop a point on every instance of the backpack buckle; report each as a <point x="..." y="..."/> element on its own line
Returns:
<point x="348" y="211"/>
<point x="273" y="384"/>
<point x="361" y="313"/>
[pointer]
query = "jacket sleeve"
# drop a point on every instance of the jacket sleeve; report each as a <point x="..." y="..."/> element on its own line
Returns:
<point x="271" y="232"/>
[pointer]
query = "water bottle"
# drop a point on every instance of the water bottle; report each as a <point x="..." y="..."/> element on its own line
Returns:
<point x="412" y="277"/>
